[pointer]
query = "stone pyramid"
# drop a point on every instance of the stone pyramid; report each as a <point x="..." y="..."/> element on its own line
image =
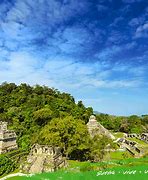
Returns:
<point x="95" y="128"/>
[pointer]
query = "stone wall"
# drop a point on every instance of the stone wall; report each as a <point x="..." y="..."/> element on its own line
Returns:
<point x="144" y="137"/>
<point x="7" y="138"/>
<point x="44" y="158"/>
<point x="95" y="128"/>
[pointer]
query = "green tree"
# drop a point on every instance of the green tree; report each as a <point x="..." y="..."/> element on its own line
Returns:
<point x="24" y="142"/>
<point x="134" y="123"/>
<point x="97" y="149"/>
<point x="42" y="116"/>
<point x="68" y="133"/>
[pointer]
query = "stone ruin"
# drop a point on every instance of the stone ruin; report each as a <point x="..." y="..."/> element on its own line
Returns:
<point x="130" y="146"/>
<point x="144" y="137"/>
<point x="44" y="158"/>
<point x="132" y="135"/>
<point x="95" y="128"/>
<point x="7" y="138"/>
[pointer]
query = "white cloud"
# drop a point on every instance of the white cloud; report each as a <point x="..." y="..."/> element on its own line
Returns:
<point x="80" y="75"/>
<point x="107" y="53"/>
<point x="136" y="21"/>
<point x="27" y="22"/>
<point x="37" y="46"/>
<point x="130" y="45"/>
<point x="73" y="39"/>
<point x="113" y="83"/>
<point x="22" y="67"/>
<point x="62" y="72"/>
<point x="117" y="21"/>
<point x="35" y="13"/>
<point x="142" y="31"/>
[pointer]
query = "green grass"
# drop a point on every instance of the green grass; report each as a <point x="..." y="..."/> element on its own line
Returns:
<point x="118" y="155"/>
<point x="119" y="173"/>
<point x="118" y="135"/>
<point x="87" y="171"/>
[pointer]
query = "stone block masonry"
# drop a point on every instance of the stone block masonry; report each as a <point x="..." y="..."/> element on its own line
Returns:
<point x="44" y="158"/>
<point x="95" y="128"/>
<point x="7" y="139"/>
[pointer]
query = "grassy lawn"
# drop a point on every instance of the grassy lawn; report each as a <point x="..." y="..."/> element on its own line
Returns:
<point x="131" y="169"/>
<point x="118" y="155"/>
<point x="122" y="167"/>
<point x="118" y="135"/>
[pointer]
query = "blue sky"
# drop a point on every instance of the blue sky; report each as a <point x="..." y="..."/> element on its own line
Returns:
<point x="97" y="50"/>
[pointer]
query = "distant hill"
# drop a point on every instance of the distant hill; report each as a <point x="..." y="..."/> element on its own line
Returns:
<point x="96" y="112"/>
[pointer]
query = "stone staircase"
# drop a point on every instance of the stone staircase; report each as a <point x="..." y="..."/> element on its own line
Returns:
<point x="37" y="166"/>
<point x="95" y="128"/>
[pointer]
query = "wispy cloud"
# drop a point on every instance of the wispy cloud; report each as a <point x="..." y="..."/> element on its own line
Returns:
<point x="61" y="72"/>
<point x="34" y="21"/>
<point x="142" y="31"/>
<point x="74" y="45"/>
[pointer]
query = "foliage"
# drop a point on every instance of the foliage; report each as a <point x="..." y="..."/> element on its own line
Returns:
<point x="98" y="146"/>
<point x="131" y="124"/>
<point x="44" y="115"/>
<point x="24" y="142"/>
<point x="6" y="165"/>
<point x="69" y="133"/>
<point x="72" y="136"/>
<point x="28" y="109"/>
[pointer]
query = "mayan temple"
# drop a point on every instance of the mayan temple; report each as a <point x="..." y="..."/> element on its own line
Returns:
<point x="7" y="138"/>
<point x="95" y="128"/>
<point x="44" y="158"/>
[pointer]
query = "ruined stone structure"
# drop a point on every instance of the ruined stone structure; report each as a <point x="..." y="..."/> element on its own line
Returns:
<point x="144" y="137"/>
<point x="44" y="158"/>
<point x="95" y="128"/>
<point x="133" y="135"/>
<point x="130" y="146"/>
<point x="7" y="138"/>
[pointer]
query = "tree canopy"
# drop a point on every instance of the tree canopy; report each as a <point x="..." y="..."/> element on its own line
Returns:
<point x="44" y="115"/>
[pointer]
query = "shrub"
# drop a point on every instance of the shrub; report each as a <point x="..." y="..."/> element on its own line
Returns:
<point x="6" y="165"/>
